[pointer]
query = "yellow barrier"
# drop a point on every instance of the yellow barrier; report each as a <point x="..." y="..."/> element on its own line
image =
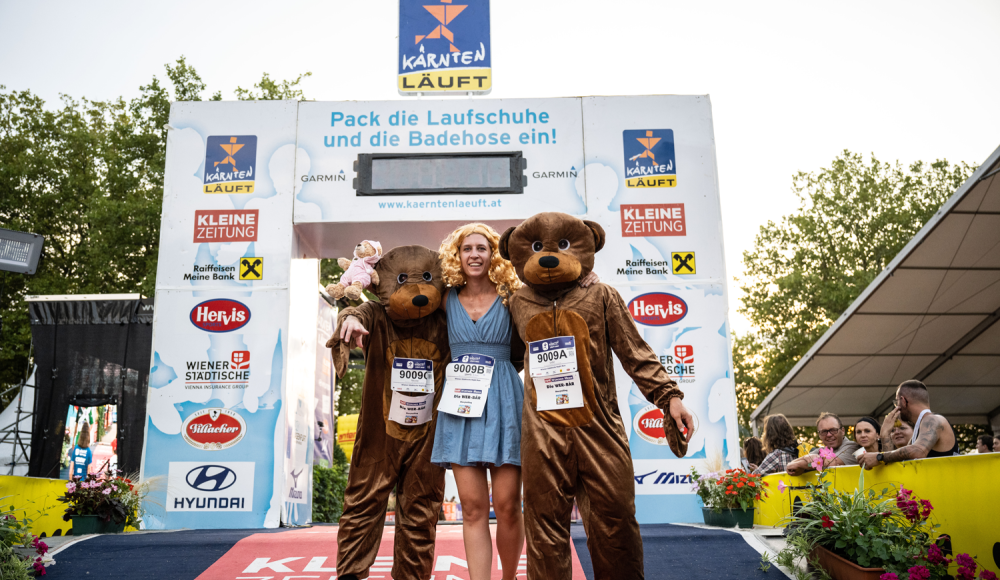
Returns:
<point x="964" y="490"/>
<point x="347" y="428"/>
<point x="35" y="498"/>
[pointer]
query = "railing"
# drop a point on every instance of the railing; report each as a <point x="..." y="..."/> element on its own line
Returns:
<point x="964" y="490"/>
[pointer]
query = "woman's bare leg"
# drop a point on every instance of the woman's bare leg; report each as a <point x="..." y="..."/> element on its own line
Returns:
<point x="510" y="524"/>
<point x="475" y="498"/>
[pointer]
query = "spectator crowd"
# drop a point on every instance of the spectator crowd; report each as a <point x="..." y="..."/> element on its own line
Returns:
<point x="909" y="431"/>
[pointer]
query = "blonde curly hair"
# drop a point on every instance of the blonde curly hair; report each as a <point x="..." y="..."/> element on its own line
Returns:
<point x="501" y="271"/>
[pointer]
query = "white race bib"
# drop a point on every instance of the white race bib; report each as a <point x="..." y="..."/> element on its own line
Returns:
<point x="552" y="356"/>
<point x="466" y="385"/>
<point x="557" y="392"/>
<point x="411" y="411"/>
<point x="412" y="375"/>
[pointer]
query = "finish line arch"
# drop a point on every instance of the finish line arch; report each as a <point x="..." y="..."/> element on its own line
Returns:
<point x="256" y="192"/>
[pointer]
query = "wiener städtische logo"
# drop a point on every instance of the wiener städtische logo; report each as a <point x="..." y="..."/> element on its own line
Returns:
<point x="444" y="46"/>
<point x="649" y="158"/>
<point x="230" y="164"/>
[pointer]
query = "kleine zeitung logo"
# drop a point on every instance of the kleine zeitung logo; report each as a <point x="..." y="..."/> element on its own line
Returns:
<point x="220" y="315"/>
<point x="657" y="309"/>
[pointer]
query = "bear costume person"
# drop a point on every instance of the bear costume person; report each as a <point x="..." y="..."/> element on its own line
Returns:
<point x="392" y="448"/>
<point x="579" y="452"/>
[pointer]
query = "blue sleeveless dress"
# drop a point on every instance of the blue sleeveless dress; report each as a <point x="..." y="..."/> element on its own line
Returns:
<point x="495" y="437"/>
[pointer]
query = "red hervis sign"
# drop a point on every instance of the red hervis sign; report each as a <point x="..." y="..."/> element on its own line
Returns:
<point x="225" y="225"/>
<point x="657" y="309"/>
<point x="214" y="429"/>
<point x="653" y="219"/>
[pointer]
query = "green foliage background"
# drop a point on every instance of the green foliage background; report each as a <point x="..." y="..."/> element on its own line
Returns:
<point x="805" y="270"/>
<point x="88" y="175"/>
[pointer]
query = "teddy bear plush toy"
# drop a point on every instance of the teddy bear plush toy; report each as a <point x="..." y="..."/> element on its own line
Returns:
<point x="359" y="273"/>
<point x="406" y="350"/>
<point x="573" y="442"/>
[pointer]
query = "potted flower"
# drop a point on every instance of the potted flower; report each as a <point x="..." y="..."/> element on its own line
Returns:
<point x="22" y="554"/>
<point x="103" y="505"/>
<point x="867" y="535"/>
<point x="728" y="497"/>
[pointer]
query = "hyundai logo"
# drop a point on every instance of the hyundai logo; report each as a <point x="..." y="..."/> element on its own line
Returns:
<point x="211" y="478"/>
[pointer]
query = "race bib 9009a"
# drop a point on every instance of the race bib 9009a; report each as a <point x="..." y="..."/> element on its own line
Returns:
<point x="552" y="356"/>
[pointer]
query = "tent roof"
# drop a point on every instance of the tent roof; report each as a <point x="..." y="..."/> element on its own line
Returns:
<point x="933" y="314"/>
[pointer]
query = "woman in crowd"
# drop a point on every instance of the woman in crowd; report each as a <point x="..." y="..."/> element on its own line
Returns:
<point x="753" y="450"/>
<point x="899" y="436"/>
<point x="779" y="443"/>
<point x="81" y="456"/>
<point x="866" y="434"/>
<point x="481" y="282"/>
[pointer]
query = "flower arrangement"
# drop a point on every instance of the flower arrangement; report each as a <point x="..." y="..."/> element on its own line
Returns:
<point x="115" y="499"/>
<point x="891" y="530"/>
<point x="16" y="541"/>
<point x="731" y="489"/>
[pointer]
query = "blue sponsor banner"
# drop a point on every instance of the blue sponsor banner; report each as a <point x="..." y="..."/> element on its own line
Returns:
<point x="230" y="164"/>
<point x="444" y="46"/>
<point x="650" y="160"/>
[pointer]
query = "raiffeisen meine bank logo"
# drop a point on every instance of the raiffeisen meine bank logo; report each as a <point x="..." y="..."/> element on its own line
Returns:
<point x="230" y="161"/>
<point x="649" y="158"/>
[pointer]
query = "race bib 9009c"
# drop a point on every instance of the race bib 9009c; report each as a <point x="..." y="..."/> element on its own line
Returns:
<point x="412" y="375"/>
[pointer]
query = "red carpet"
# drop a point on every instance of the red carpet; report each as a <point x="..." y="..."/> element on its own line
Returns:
<point x="312" y="553"/>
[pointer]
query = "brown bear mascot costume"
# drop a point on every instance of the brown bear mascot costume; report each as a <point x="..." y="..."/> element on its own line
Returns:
<point x="580" y="450"/>
<point x="396" y="427"/>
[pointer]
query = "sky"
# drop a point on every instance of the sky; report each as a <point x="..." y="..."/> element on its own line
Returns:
<point x="792" y="84"/>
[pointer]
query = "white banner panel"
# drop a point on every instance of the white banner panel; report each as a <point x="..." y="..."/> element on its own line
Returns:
<point x="549" y="133"/>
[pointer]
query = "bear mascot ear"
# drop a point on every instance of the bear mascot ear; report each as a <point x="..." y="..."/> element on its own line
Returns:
<point x="598" y="234"/>
<point x="505" y="239"/>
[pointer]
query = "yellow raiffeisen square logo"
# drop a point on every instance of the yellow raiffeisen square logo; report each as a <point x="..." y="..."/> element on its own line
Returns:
<point x="682" y="263"/>
<point x="444" y="46"/>
<point x="230" y="162"/>
<point x="649" y="158"/>
<point x="252" y="268"/>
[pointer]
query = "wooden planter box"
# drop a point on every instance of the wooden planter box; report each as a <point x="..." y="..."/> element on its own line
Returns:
<point x="840" y="568"/>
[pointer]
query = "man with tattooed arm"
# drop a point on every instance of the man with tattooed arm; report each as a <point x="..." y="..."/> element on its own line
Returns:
<point x="932" y="434"/>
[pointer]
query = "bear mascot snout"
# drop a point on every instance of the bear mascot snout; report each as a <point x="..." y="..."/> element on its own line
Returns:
<point x="573" y="441"/>
<point x="407" y="337"/>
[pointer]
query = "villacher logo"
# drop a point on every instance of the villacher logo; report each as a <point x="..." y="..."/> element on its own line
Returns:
<point x="229" y="164"/>
<point x="649" y="158"/>
<point x="214" y="429"/>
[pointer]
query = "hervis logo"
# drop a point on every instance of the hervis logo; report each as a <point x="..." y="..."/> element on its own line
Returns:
<point x="649" y="158"/>
<point x="230" y="162"/>
<point x="657" y="309"/>
<point x="220" y="315"/>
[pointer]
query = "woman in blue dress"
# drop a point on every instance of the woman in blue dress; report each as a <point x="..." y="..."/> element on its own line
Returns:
<point x="479" y="323"/>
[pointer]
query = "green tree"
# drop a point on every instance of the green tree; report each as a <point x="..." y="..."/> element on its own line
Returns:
<point x="805" y="270"/>
<point x="88" y="175"/>
<point x="270" y="90"/>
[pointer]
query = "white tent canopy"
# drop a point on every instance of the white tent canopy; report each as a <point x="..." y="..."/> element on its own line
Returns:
<point x="931" y="315"/>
